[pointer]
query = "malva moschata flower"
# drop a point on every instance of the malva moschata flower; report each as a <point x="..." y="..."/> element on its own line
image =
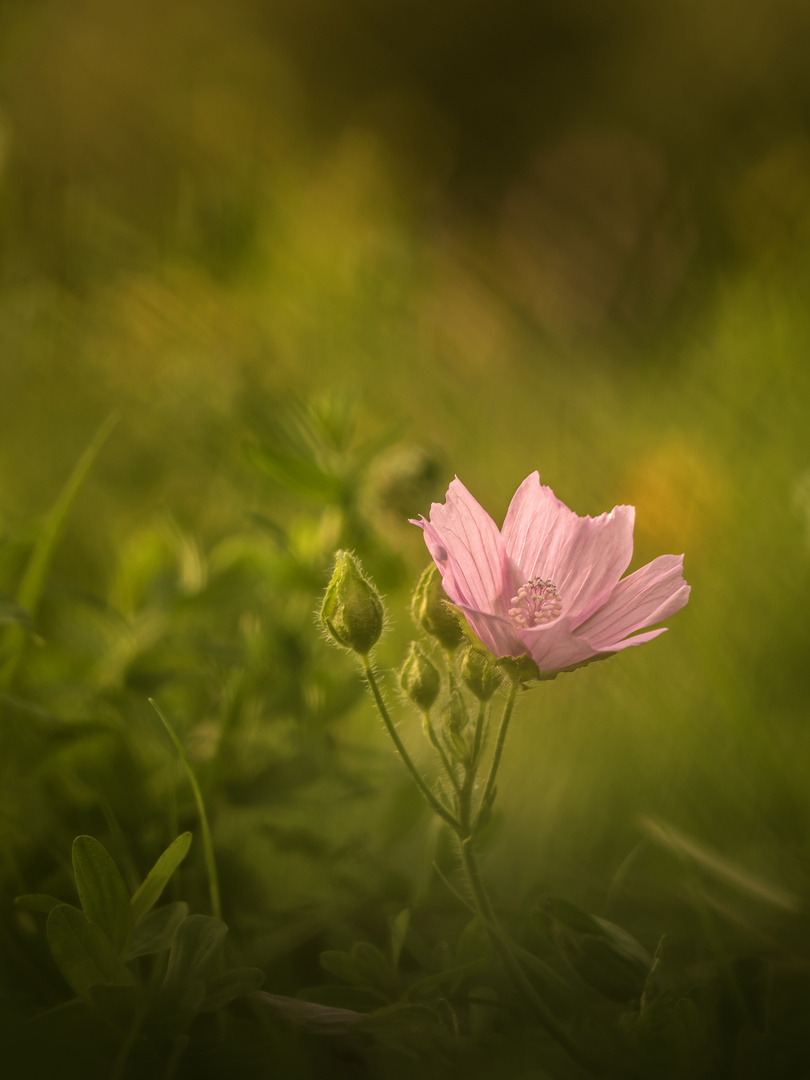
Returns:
<point x="549" y="583"/>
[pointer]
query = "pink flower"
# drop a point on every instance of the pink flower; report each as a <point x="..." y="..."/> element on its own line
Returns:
<point x="548" y="584"/>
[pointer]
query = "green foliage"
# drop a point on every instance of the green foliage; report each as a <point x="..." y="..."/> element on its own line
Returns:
<point x="148" y="892"/>
<point x="103" y="894"/>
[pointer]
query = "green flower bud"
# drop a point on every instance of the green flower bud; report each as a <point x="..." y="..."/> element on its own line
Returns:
<point x="419" y="678"/>
<point x="430" y="611"/>
<point x="352" y="610"/>
<point x="482" y="677"/>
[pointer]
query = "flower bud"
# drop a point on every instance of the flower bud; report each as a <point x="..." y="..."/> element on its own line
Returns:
<point x="352" y="611"/>
<point x="419" y="678"/>
<point x="482" y="677"/>
<point x="430" y="610"/>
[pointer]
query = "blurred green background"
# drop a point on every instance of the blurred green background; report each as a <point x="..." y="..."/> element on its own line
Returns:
<point x="366" y="247"/>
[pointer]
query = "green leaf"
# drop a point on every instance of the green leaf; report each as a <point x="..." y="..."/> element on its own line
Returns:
<point x="399" y="930"/>
<point x="323" y="1019"/>
<point x="148" y="892"/>
<point x="356" y="998"/>
<point x="451" y="978"/>
<point x="474" y="943"/>
<point x="83" y="953"/>
<point x="231" y="984"/>
<point x="37" y="902"/>
<point x="36" y="571"/>
<point x="365" y="966"/>
<point x="196" y="949"/>
<point x="156" y="931"/>
<point x="104" y="896"/>
<point x="411" y="1030"/>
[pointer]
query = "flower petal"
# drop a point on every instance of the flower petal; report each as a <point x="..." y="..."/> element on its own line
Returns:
<point x="494" y="631"/>
<point x="646" y="597"/>
<point x="583" y="556"/>
<point x="555" y="646"/>
<point x="466" y="546"/>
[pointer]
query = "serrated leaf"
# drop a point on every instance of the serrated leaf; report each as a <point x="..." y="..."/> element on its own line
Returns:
<point x="83" y="952"/>
<point x="148" y="892"/>
<point x="229" y="985"/>
<point x="104" y="896"/>
<point x="196" y="949"/>
<point x="156" y="931"/>
<point x="37" y="902"/>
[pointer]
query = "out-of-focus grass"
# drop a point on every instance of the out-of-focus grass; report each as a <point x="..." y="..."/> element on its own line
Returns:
<point x="591" y="317"/>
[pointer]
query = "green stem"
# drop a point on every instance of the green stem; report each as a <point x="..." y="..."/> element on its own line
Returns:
<point x="442" y="811"/>
<point x="208" y="847"/>
<point x="487" y="915"/>
<point x="478" y="737"/>
<point x="435" y="742"/>
<point x="496" y="757"/>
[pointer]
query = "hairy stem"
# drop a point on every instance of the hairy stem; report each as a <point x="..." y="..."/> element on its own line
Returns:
<point x="496" y="757"/>
<point x="442" y="811"/>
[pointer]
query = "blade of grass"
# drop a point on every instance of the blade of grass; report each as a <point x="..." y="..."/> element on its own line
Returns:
<point x="208" y="847"/>
<point x="33" y="579"/>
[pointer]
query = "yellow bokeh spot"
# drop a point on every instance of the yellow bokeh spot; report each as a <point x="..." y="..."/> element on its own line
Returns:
<point x="679" y="492"/>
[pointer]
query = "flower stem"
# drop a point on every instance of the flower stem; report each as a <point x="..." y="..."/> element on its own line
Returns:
<point x="435" y="742"/>
<point x="496" y="757"/>
<point x="442" y="811"/>
<point x="486" y="913"/>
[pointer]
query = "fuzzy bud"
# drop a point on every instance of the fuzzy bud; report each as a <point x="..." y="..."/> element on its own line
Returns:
<point x="352" y="610"/>
<point x="481" y="676"/>
<point x="419" y="678"/>
<point x="431" y="612"/>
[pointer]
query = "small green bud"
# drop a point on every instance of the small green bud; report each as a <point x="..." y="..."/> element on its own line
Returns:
<point x="482" y="677"/>
<point x="430" y="611"/>
<point x="352" y="610"/>
<point x="419" y="678"/>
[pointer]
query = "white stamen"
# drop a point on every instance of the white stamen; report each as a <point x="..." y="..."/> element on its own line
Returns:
<point x="536" y="604"/>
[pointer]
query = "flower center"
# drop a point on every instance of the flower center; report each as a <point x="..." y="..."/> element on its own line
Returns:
<point x="537" y="603"/>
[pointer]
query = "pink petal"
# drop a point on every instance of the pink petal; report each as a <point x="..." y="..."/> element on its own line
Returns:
<point x="646" y="597"/>
<point x="494" y="631"/>
<point x="466" y="546"/>
<point x="583" y="556"/>
<point x="554" y="646"/>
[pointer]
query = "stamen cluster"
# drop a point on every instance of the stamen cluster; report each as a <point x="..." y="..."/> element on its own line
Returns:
<point x="537" y="603"/>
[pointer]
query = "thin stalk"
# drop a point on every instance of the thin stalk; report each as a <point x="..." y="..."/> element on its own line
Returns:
<point x="499" y="744"/>
<point x="208" y="847"/>
<point x="435" y="742"/>
<point x="442" y="811"/>
<point x="478" y="737"/>
<point x="487" y="915"/>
